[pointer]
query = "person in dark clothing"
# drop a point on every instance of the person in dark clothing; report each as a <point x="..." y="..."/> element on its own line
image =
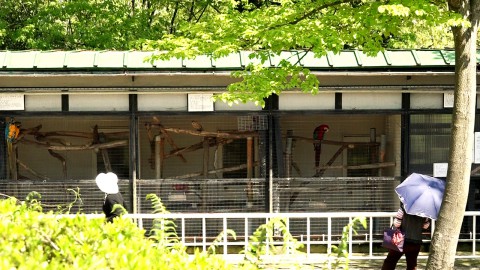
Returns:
<point x="108" y="206"/>
<point x="412" y="226"/>
<point x="108" y="184"/>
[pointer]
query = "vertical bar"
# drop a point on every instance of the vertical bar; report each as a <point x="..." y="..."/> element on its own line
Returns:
<point x="206" y="159"/>
<point x="133" y="148"/>
<point x="270" y="165"/>
<point x="308" y="236"/>
<point x="183" y="230"/>
<point x="249" y="188"/>
<point x="249" y="157"/>
<point x="140" y="223"/>
<point x="350" y="237"/>
<point x="204" y="235"/>
<point x="329" y="235"/>
<point x="225" y="236"/>
<point x="159" y="156"/>
<point x="474" y="240"/>
<point x="267" y="240"/>
<point x="329" y="241"/>
<point x="370" y="241"/>
<point x="245" y="246"/>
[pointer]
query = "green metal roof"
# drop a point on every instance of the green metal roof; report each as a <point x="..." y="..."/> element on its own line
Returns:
<point x="135" y="60"/>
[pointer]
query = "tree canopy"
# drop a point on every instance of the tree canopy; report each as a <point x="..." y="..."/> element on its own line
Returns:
<point x="185" y="29"/>
<point x="308" y="26"/>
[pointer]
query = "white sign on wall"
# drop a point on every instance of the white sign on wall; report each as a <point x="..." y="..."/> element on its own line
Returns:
<point x="476" y="147"/>
<point x="200" y="103"/>
<point x="448" y="100"/>
<point x="12" y="102"/>
<point x="440" y="169"/>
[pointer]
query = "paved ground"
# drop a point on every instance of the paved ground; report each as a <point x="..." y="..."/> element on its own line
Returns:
<point x="377" y="264"/>
<point x="318" y="262"/>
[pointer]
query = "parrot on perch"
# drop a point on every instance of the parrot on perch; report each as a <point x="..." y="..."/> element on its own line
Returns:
<point x="318" y="135"/>
<point x="12" y="131"/>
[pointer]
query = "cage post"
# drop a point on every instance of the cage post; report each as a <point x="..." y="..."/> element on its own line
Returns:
<point x="159" y="156"/>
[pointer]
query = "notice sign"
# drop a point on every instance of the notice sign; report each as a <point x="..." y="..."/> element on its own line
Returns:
<point x="440" y="169"/>
<point x="476" y="147"/>
<point x="448" y="100"/>
<point x="200" y="103"/>
<point x="12" y="102"/>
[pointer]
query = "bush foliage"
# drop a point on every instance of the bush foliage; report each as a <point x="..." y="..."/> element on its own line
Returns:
<point x="36" y="240"/>
<point x="31" y="239"/>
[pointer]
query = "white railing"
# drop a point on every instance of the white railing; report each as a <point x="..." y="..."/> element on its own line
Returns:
<point x="367" y="238"/>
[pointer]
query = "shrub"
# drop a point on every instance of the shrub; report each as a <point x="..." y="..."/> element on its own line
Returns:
<point x="31" y="239"/>
<point x="35" y="240"/>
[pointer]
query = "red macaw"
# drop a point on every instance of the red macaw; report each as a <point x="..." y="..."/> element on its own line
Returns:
<point x="319" y="134"/>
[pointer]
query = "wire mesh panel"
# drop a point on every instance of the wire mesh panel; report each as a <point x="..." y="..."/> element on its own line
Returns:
<point x="351" y="145"/>
<point x="252" y="122"/>
<point x="199" y="147"/>
<point x="221" y="162"/>
<point x="210" y="195"/>
<point x="329" y="194"/>
<point x="66" y="148"/>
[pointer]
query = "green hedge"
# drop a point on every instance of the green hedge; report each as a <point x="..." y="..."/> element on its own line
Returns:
<point x="34" y="240"/>
<point x="31" y="239"/>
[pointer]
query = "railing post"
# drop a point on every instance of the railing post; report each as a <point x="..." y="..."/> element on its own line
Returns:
<point x="474" y="240"/>
<point x="245" y="246"/>
<point x="225" y="235"/>
<point x="329" y="240"/>
<point x="350" y="237"/>
<point x="204" y="234"/>
<point x="370" y="241"/>
<point x="308" y="236"/>
<point x="329" y="235"/>
<point x="183" y="230"/>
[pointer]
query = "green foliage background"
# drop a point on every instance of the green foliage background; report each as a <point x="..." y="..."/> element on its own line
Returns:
<point x="187" y="28"/>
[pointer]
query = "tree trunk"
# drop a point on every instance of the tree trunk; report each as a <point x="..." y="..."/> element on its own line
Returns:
<point x="448" y="226"/>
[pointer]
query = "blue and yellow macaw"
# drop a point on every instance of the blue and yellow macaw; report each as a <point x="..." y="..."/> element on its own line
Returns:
<point x="12" y="131"/>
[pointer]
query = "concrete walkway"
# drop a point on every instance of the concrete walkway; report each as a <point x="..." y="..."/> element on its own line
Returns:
<point x="319" y="262"/>
<point x="461" y="264"/>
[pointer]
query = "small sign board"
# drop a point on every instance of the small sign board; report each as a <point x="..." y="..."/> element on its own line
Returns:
<point x="476" y="147"/>
<point x="200" y="103"/>
<point x="440" y="169"/>
<point x="448" y="100"/>
<point x="12" y="102"/>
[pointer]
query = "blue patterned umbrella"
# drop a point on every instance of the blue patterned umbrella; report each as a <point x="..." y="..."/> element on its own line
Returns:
<point x="421" y="195"/>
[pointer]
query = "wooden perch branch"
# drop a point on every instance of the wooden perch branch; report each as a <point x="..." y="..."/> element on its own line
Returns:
<point x="66" y="134"/>
<point x="35" y="131"/>
<point x="62" y="160"/>
<point x="78" y="147"/>
<point x="170" y="140"/>
<point x="229" y="169"/>
<point x="348" y="144"/>
<point x="23" y="165"/>
<point x="194" y="147"/>
<point x="229" y="135"/>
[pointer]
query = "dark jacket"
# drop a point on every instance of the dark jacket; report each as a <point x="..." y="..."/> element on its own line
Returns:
<point x="110" y="201"/>
<point x="412" y="225"/>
